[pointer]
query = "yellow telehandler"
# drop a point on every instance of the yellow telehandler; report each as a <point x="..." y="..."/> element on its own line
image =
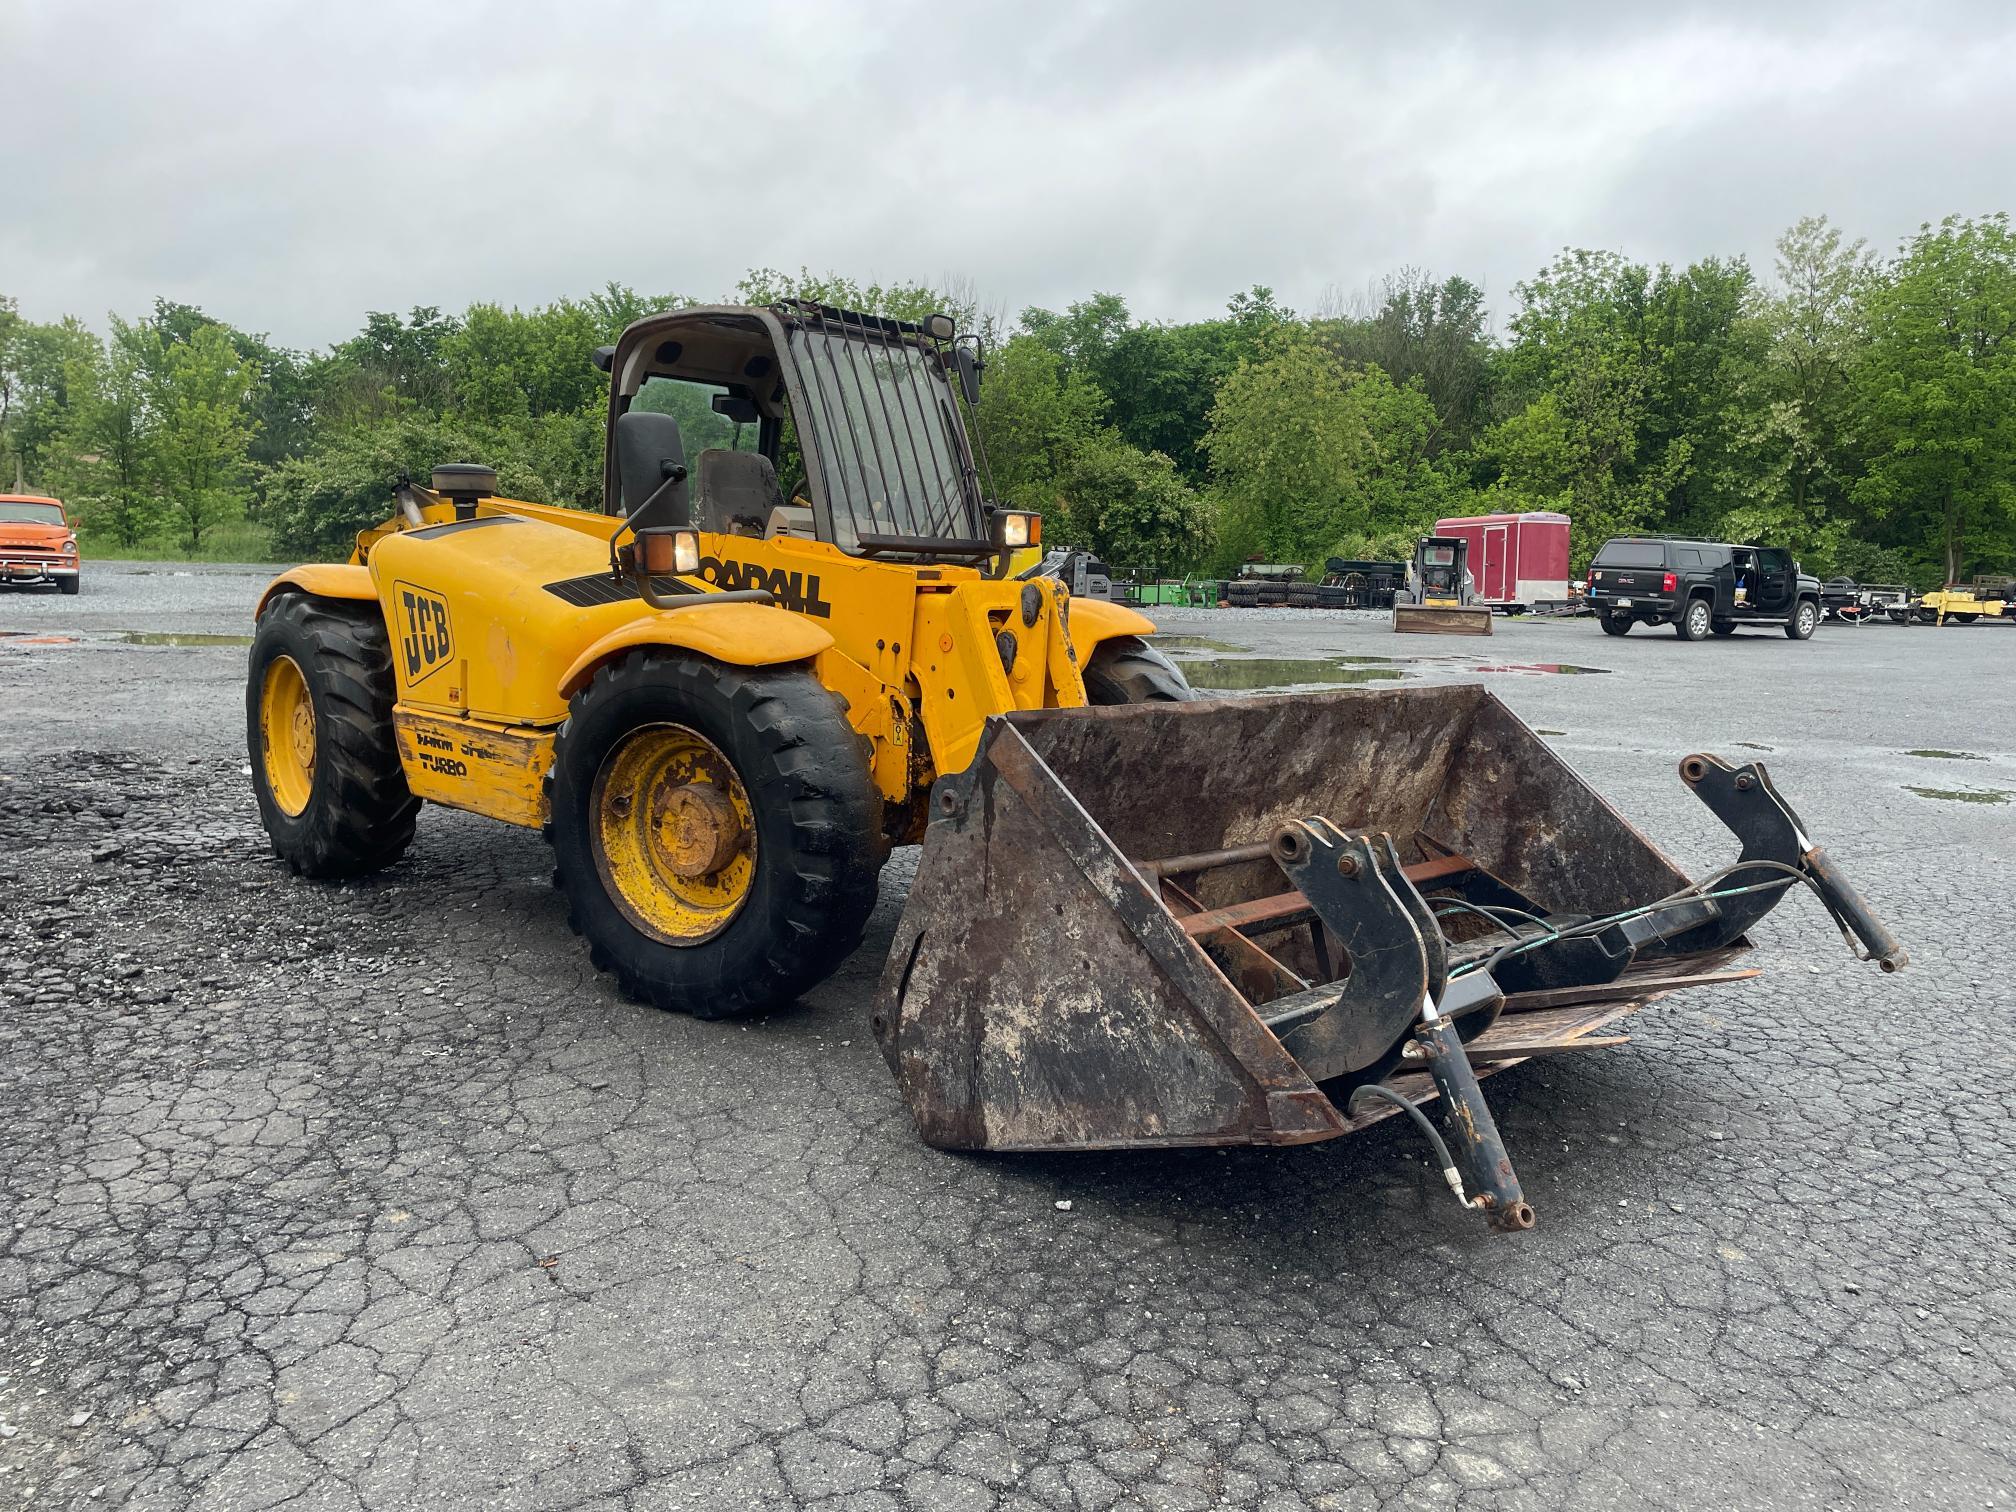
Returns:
<point x="1139" y="918"/>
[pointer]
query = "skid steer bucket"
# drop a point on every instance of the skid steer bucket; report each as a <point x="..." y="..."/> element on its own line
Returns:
<point x="1442" y="619"/>
<point x="1274" y="920"/>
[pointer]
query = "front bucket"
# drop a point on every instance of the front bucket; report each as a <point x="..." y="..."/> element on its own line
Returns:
<point x="1103" y="948"/>
<point x="1432" y="619"/>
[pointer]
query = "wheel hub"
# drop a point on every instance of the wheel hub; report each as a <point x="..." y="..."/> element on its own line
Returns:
<point x="675" y="833"/>
<point x="696" y="828"/>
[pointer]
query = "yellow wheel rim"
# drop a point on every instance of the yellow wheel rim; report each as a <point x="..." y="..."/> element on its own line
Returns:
<point x="287" y="734"/>
<point x="675" y="833"/>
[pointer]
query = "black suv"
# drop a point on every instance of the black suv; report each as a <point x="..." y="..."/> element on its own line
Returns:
<point x="1699" y="587"/>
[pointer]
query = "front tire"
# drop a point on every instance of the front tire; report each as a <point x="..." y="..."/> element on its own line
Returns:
<point x="70" y="586"/>
<point x="1724" y="627"/>
<point x="715" y="829"/>
<point x="1695" y="621"/>
<point x="1127" y="670"/>
<point x="318" y="723"/>
<point x="1804" y="620"/>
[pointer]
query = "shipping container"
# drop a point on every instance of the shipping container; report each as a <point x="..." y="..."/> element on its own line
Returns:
<point x="1516" y="560"/>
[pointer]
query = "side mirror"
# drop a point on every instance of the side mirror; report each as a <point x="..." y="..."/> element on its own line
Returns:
<point x="970" y="367"/>
<point x="604" y="357"/>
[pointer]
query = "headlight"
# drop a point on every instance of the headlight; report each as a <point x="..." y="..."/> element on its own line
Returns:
<point x="675" y="551"/>
<point x="70" y="546"/>
<point x="1014" y="530"/>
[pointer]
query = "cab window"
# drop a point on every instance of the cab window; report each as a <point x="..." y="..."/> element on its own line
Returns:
<point x="1632" y="554"/>
<point x="700" y="425"/>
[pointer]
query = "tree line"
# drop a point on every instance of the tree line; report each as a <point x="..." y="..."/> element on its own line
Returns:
<point x="1857" y="407"/>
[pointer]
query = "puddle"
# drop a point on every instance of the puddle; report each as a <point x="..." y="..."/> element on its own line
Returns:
<point x="1368" y="661"/>
<point x="1972" y="795"/>
<point x="1274" y="672"/>
<point x="1192" y="643"/>
<point x="179" y="638"/>
<point x="1538" y="731"/>
<point x="23" y="638"/>
<point x="1560" y="669"/>
<point x="1751" y="745"/>
<point x="1948" y="755"/>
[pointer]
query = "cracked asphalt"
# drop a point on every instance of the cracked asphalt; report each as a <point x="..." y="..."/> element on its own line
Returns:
<point x="378" y="1196"/>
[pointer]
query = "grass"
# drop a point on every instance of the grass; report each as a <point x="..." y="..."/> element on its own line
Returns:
<point x="236" y="541"/>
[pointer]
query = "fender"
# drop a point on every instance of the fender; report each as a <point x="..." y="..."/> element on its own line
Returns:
<point x="323" y="580"/>
<point x="1095" y="620"/>
<point x="746" y="635"/>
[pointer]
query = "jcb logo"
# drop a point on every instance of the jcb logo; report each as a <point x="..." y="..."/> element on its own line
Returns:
<point x="424" y="639"/>
<point x="798" y="591"/>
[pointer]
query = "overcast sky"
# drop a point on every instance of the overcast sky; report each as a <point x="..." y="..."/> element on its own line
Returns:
<point x="289" y="167"/>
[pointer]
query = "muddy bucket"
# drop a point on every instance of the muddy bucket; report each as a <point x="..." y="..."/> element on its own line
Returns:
<point x="1223" y="922"/>
<point x="1440" y="619"/>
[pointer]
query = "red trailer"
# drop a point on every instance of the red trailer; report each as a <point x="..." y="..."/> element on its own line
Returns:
<point x="1517" y="560"/>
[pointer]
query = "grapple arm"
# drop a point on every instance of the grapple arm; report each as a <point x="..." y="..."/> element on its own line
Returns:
<point x="1776" y="850"/>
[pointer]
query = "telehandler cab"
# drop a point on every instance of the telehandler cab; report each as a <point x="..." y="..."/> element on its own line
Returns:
<point x="1250" y="921"/>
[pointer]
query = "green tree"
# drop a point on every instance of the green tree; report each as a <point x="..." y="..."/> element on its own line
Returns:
<point x="1280" y="445"/>
<point x="392" y="366"/>
<point x="40" y="361"/>
<point x="1936" y="394"/>
<point x="200" y="393"/>
<point x="1131" y="508"/>
<point x="1798" y="399"/>
<point x="107" y="443"/>
<point x="317" y="503"/>
<point x="1033" y="418"/>
<point x="1309" y="453"/>
<point x="1436" y="333"/>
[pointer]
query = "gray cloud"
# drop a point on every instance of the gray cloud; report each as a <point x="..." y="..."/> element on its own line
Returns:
<point x="290" y="167"/>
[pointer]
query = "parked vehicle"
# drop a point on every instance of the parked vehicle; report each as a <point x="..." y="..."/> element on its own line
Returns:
<point x="1855" y="603"/>
<point x="1958" y="606"/>
<point x="37" y="543"/>
<point x="1700" y="587"/>
<point x="1355" y="583"/>
<point x="1517" y="560"/>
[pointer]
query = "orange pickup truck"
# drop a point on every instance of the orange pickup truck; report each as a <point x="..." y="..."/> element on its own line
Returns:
<point x="37" y="544"/>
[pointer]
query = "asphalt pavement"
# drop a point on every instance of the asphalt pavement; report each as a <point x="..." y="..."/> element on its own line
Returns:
<point x="378" y="1195"/>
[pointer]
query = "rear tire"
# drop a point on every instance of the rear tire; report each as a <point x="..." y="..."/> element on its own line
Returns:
<point x="1804" y="619"/>
<point x="1695" y="620"/>
<point x="1127" y="670"/>
<point x="1615" y="624"/>
<point x="812" y="838"/>
<point x="331" y="791"/>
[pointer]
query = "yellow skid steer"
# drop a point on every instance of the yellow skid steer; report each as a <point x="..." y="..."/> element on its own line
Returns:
<point x="802" y="634"/>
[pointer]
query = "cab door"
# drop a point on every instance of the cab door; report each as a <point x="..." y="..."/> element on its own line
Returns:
<point x="1722" y="573"/>
<point x="1774" y="577"/>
